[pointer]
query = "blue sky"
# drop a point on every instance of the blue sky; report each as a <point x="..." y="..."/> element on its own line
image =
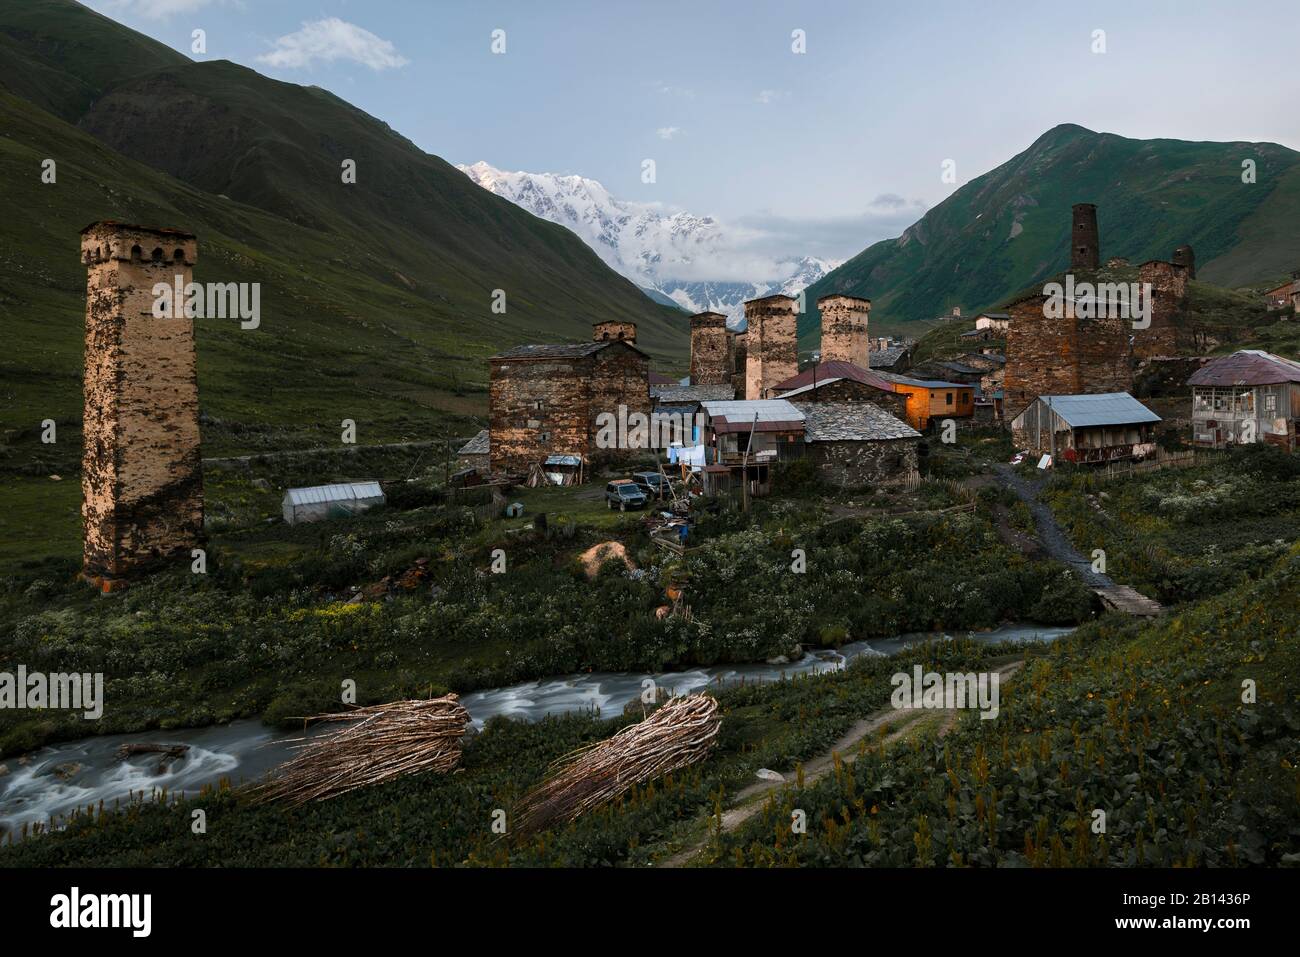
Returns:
<point x="829" y="150"/>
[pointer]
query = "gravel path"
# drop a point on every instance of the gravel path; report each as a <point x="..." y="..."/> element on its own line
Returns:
<point x="1055" y="542"/>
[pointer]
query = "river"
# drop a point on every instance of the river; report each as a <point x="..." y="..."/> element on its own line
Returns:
<point x="53" y="781"/>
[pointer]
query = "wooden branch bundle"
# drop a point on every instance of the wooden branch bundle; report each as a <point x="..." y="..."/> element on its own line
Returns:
<point x="680" y="733"/>
<point x="382" y="742"/>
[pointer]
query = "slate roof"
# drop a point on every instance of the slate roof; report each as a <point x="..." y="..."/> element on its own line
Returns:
<point x="479" y="445"/>
<point x="692" y="393"/>
<point x="1104" y="408"/>
<point x="851" y="422"/>
<point x="560" y="350"/>
<point x="830" y="371"/>
<point x="885" y="358"/>
<point x="1247" y="367"/>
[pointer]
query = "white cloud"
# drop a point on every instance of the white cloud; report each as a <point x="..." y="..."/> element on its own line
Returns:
<point x="332" y="39"/>
<point x="771" y="96"/>
<point x="667" y="132"/>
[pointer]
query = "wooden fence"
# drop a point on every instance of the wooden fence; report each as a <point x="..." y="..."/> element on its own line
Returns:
<point x="1162" y="460"/>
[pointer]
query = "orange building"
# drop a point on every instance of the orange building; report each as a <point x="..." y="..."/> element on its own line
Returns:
<point x="932" y="399"/>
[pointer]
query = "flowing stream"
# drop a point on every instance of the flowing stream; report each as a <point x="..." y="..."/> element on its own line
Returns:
<point x="53" y="781"/>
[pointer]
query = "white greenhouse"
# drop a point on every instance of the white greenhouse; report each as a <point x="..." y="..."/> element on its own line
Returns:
<point x="330" y="501"/>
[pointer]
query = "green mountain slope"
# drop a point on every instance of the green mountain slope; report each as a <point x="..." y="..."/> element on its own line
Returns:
<point x="1010" y="228"/>
<point x="376" y="297"/>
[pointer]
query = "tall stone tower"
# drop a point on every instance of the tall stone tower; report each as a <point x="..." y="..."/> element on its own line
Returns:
<point x="1085" y="244"/>
<point x="142" y="479"/>
<point x="1168" y="309"/>
<point x="1185" y="258"/>
<point x="614" y="329"/>
<point x="773" y="353"/>
<point x="711" y="349"/>
<point x="844" y="329"/>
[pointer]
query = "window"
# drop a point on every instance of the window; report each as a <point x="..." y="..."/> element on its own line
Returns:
<point x="1270" y="403"/>
<point x="950" y="398"/>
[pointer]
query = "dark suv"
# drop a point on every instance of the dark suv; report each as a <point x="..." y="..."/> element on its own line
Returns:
<point x="653" y="484"/>
<point x="624" y="495"/>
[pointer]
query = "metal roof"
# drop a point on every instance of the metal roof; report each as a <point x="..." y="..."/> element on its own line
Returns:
<point x="925" y="383"/>
<point x="1104" y="408"/>
<point x="573" y="460"/>
<point x="851" y="422"/>
<point x="479" y="445"/>
<point x="762" y="415"/>
<point x="1247" y="367"/>
<point x="341" y="492"/>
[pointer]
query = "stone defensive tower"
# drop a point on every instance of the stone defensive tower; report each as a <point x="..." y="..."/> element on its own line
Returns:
<point x="142" y="480"/>
<point x="1168" y="309"/>
<point x="1085" y="244"/>
<point x="712" y="349"/>
<point x="773" y="354"/>
<point x="844" y="329"/>
<point x="614" y="329"/>
<point x="1185" y="257"/>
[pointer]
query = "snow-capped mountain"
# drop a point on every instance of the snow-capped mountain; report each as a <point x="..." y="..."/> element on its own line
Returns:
<point x="654" y="248"/>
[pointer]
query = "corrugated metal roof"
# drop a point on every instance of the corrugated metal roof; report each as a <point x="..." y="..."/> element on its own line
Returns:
<point x="341" y="492"/>
<point x="563" y="460"/>
<point x="926" y="383"/>
<point x="851" y="422"/>
<point x="1105" y="408"/>
<point x="1247" y="367"/>
<point x="757" y="414"/>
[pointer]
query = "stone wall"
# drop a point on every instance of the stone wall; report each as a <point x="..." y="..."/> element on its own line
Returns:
<point x="844" y="329"/>
<point x="548" y="406"/>
<point x="1066" y="356"/>
<point x="740" y="363"/>
<point x="537" y="408"/>
<point x="772" y="346"/>
<point x="142" y="478"/>
<point x="614" y="329"/>
<point x="711" y="350"/>
<point x="861" y="464"/>
<point x="1168" y="309"/>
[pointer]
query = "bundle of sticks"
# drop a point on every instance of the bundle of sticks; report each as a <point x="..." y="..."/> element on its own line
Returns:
<point x="680" y="733"/>
<point x="380" y="743"/>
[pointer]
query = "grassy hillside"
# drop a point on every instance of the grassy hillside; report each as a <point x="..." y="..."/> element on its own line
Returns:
<point x="376" y="297"/>
<point x="1010" y="228"/>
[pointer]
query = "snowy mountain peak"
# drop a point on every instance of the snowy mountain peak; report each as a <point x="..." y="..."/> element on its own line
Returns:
<point x="696" y="261"/>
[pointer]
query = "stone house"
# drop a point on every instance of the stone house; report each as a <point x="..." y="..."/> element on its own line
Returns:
<point x="836" y="381"/>
<point x="1249" y="396"/>
<point x="857" y="444"/>
<point x="546" y="400"/>
<point x="474" y="454"/>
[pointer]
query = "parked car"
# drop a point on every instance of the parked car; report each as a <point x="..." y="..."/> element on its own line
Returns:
<point x="653" y="484"/>
<point x="624" y="494"/>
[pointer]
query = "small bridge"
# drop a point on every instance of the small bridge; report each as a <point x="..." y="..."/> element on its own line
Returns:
<point x="1128" y="600"/>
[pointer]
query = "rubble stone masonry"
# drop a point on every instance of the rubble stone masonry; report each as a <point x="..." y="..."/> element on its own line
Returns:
<point x="740" y="362"/>
<point x="1085" y="242"/>
<point x="1066" y="356"/>
<point x="711" y="349"/>
<point x="142" y="479"/>
<point x="1168" y="309"/>
<point x="773" y="354"/>
<point x="614" y="329"/>
<point x="844" y="329"/>
<point x="549" y="404"/>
